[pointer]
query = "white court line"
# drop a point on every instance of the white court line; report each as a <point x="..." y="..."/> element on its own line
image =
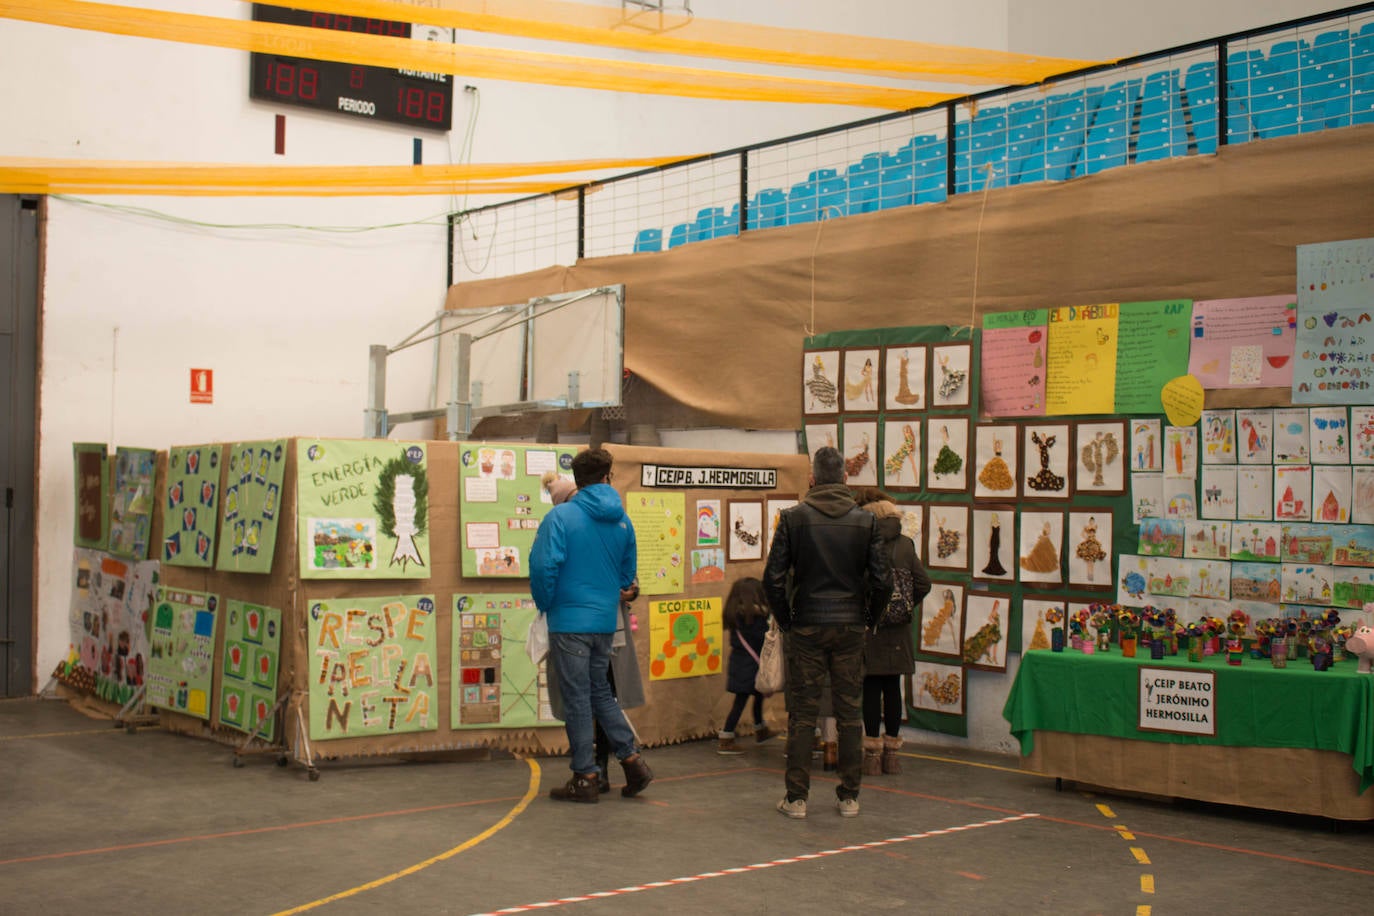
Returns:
<point x="724" y="872"/>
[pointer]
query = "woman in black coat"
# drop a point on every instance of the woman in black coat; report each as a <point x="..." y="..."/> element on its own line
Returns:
<point x="745" y="618"/>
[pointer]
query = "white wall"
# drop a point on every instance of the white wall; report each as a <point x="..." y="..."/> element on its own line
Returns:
<point x="285" y="315"/>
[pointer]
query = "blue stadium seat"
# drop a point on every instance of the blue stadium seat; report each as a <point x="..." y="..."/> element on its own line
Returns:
<point x="988" y="149"/>
<point x="704" y="227"/>
<point x="1238" y="126"/>
<point x="679" y="234"/>
<point x="897" y="186"/>
<point x="1109" y="137"/>
<point x="1200" y="100"/>
<point x="1324" y="83"/>
<point x="1161" y="132"/>
<point x="649" y="240"/>
<point x="1362" y="76"/>
<point x="1274" y="97"/>
<point x="821" y="196"/>
<point x="863" y="178"/>
<point x="1026" y="142"/>
<point x="768" y="208"/>
<point x="931" y="188"/>
<point x="726" y="223"/>
<point x="1066" y="121"/>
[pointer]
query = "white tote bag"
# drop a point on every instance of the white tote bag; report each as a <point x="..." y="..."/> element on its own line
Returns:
<point x="772" y="676"/>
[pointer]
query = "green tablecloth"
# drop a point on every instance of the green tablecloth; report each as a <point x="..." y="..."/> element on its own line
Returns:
<point x="1257" y="705"/>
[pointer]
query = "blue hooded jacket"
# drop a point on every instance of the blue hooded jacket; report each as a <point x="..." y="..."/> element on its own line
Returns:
<point x="584" y="553"/>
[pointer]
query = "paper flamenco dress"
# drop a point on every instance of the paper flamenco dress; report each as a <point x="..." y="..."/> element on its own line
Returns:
<point x="995" y="475"/>
<point x="862" y="389"/>
<point x="904" y="393"/>
<point x="1043" y="556"/>
<point x="1038" y="639"/>
<point x="906" y="452"/>
<point x="948" y="543"/>
<point x="947" y="461"/>
<point x="951" y="380"/>
<point x="821" y="388"/>
<point x="984" y="642"/>
<point x="1089" y="550"/>
<point x="994" y="565"/>
<point x="1045" y="480"/>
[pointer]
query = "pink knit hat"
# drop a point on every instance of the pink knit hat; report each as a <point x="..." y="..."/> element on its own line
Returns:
<point x="560" y="488"/>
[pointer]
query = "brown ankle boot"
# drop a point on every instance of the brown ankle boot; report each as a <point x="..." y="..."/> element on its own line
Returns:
<point x="637" y="775"/>
<point x="892" y="765"/>
<point x="580" y="788"/>
<point x="873" y="756"/>
<point x="830" y="756"/>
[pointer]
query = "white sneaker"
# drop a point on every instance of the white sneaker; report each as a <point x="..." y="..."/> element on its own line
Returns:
<point x="795" y="808"/>
<point x="848" y="807"/>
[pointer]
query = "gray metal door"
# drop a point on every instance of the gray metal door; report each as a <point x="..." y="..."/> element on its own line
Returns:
<point x="18" y="393"/>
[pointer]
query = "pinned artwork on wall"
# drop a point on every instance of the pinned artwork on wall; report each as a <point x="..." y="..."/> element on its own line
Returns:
<point x="859" y="445"/>
<point x="709" y="522"/>
<point x="190" y="519"/>
<point x="861" y="381"/>
<point x="1207" y="540"/>
<point x="1331" y="493"/>
<point x="942" y="620"/>
<point x="947" y="537"/>
<point x="248" y="682"/>
<point x="1218" y="436"/>
<point x="821" y="435"/>
<point x="1047" y="463"/>
<point x="820" y="382"/>
<point x="1099" y="450"/>
<point x="1257" y="582"/>
<point x="902" y="455"/>
<point x="181" y="649"/>
<point x="947" y="454"/>
<point x="1254" y="491"/>
<point x="985" y="631"/>
<point x="1133" y="580"/>
<point x="1147" y="448"/>
<point x="1330" y="436"/>
<point x="1362" y="435"/>
<point x="938" y="688"/>
<point x="993" y="537"/>
<point x="1161" y="537"/>
<point x="492" y="682"/>
<point x="913" y="526"/>
<point x="1255" y="436"/>
<point x="995" y="461"/>
<point x="746" y="530"/>
<point x="1180" y="452"/>
<point x="1040" y="558"/>
<point x="708" y="565"/>
<point x="1218" y="492"/>
<point x="91" y="474"/>
<point x="131" y="510"/>
<point x="1147" y="496"/>
<point x="1362" y="495"/>
<point x="251" y="506"/>
<point x="1090" y="536"/>
<point x="1039" y="621"/>
<point x="1291" y="427"/>
<point x="1292" y="493"/>
<point x="1180" y="500"/>
<point x="904" y="377"/>
<point x="774" y="504"/>
<point x="1256" y="542"/>
<point x="659" y="518"/>
<point x="950" y="375"/>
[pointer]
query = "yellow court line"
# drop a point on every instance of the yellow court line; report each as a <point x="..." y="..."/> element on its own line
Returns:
<point x="1125" y="834"/>
<point x="1147" y="884"/>
<point x="1142" y="910"/>
<point x="511" y="815"/>
<point x="970" y="763"/>
<point x="1106" y="812"/>
<point x="1140" y="855"/>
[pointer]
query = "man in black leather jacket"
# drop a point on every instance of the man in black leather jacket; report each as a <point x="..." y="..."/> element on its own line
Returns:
<point x="828" y="577"/>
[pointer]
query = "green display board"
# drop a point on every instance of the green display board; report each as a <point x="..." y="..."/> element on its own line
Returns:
<point x="372" y="666"/>
<point x="131" y="512"/>
<point x="248" y="681"/>
<point x="363" y="509"/>
<point x="188" y="527"/>
<point x="502" y="500"/>
<point x="91" y="476"/>
<point x="494" y="682"/>
<point x="181" y="648"/>
<point x="251" y="506"/>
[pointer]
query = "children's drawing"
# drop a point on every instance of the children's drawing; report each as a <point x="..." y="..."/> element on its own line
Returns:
<point x="1207" y="540"/>
<point x="402" y="504"/>
<point x="1351" y="587"/>
<point x="1180" y="452"/>
<point x="1254" y="492"/>
<point x="1330" y="493"/>
<point x="861" y="381"/>
<point x="1161" y="537"/>
<point x="1355" y="547"/>
<point x="985" y="648"/>
<point x="1047" y="461"/>
<point x="996" y="461"/>
<point x="773" y="508"/>
<point x="1291" y="426"/>
<point x="1218" y="492"/>
<point x="859" y="445"/>
<point x="1091" y="537"/>
<point x="746" y="530"/>
<point x="1292" y="493"/>
<point x="1255" y="436"/>
<point x="947" y="537"/>
<point x="1039" y="620"/>
<point x="1362" y="435"/>
<point x="1101" y="465"/>
<point x="499" y="561"/>
<point x="343" y="543"/>
<point x="951" y="375"/>
<point x="1042" y="539"/>
<point x="1329" y="435"/>
<point x="947" y="451"/>
<point x="1304" y="543"/>
<point x="821" y="435"/>
<point x="708" y="523"/>
<point x="905" y="377"/>
<point x="942" y="619"/>
<point x="1147" y="448"/>
<point x="1260" y="542"/>
<point x="1133" y="580"/>
<point x="1147" y="496"/>
<point x="1218" y="437"/>
<point x="708" y="566"/>
<point x="993" y="536"/>
<point x="1169" y="577"/>
<point x="1179" y="499"/>
<point x="1210" y="579"/>
<point x="902" y="454"/>
<point x="820" y="373"/>
<point x="938" y="688"/>
<point x="1362" y="495"/>
<point x="1257" y="582"/>
<point x="1308" y="583"/>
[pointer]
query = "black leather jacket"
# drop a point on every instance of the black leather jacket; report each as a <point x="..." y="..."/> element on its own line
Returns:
<point x="827" y="565"/>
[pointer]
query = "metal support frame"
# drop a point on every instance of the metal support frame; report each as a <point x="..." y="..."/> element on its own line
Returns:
<point x="128" y="719"/>
<point x="245" y="747"/>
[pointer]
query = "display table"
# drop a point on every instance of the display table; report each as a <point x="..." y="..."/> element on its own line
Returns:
<point x="1289" y="739"/>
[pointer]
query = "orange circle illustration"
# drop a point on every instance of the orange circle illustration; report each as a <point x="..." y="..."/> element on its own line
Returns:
<point x="686" y="664"/>
<point x="658" y="667"/>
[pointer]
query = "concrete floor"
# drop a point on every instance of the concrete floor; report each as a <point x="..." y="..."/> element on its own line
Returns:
<point x="99" y="820"/>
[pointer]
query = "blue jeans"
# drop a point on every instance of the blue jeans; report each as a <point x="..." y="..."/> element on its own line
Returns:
<point x="582" y="662"/>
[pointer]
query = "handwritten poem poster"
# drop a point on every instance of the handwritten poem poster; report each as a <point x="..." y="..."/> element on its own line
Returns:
<point x="1335" y="333"/>
<point x="661" y="538"/>
<point x="1081" y="360"/>
<point x="1151" y="348"/>
<point x="1013" y="364"/>
<point x="1243" y="343"/>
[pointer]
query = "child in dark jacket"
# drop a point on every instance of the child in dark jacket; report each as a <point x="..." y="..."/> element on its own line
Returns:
<point x="746" y="619"/>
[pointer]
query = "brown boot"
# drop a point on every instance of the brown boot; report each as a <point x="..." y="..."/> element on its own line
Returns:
<point x="873" y="756"/>
<point x="580" y="788"/>
<point x="892" y="765"/>
<point x="726" y="746"/>
<point x="830" y="756"/>
<point x="637" y="775"/>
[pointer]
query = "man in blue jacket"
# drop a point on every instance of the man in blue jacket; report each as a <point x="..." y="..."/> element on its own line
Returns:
<point x="583" y="559"/>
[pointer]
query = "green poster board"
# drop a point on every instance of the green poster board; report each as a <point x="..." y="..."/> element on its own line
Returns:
<point x="188" y="527"/>
<point x="91" y="476"/>
<point x="181" y="648"/>
<point x="501" y="502"/>
<point x="1152" y="348"/>
<point x="494" y="682"/>
<point x="363" y="509"/>
<point x="131" y="512"/>
<point x="248" y="682"/>
<point x="372" y="666"/>
<point x="251" y="506"/>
